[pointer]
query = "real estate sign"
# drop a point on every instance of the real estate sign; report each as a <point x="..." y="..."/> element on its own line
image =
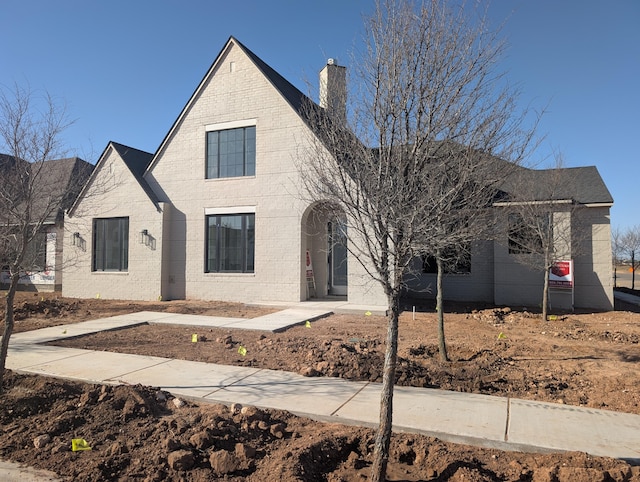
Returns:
<point x="561" y="275"/>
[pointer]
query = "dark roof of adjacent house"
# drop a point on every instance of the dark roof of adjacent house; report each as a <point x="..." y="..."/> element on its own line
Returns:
<point x="583" y="185"/>
<point x="137" y="161"/>
<point x="56" y="184"/>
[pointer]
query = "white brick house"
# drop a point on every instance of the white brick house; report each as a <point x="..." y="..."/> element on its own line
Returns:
<point x="216" y="213"/>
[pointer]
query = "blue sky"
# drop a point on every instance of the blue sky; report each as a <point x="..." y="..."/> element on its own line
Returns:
<point x="125" y="68"/>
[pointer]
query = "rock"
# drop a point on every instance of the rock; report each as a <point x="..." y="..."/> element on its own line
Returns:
<point x="60" y="448"/>
<point x="223" y="462"/>
<point x="251" y="413"/>
<point x="178" y="402"/>
<point x="181" y="460"/>
<point x="235" y="408"/>
<point x="41" y="440"/>
<point x="160" y="396"/>
<point x="201" y="440"/>
<point x="277" y="430"/>
<point x="244" y="451"/>
<point x="308" y="372"/>
<point x="171" y="444"/>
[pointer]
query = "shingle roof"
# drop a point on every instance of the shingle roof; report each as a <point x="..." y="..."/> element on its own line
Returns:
<point x="580" y="184"/>
<point x="137" y="161"/>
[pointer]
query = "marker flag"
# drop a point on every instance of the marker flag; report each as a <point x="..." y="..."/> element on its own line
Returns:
<point x="242" y="350"/>
<point x="501" y="336"/>
<point x="194" y="338"/>
<point x="308" y="324"/>
<point x="78" y="444"/>
<point x="368" y="313"/>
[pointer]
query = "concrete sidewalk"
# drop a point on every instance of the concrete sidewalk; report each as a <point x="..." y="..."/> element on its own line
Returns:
<point x="480" y="420"/>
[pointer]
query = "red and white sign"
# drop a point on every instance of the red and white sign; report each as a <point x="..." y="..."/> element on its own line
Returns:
<point x="561" y="275"/>
<point x="309" y="267"/>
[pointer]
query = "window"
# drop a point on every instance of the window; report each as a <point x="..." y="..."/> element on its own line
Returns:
<point x="525" y="235"/>
<point x="111" y="244"/>
<point x="455" y="261"/>
<point x="230" y="243"/>
<point x="231" y="152"/>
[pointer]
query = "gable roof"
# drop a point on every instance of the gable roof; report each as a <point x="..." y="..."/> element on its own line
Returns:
<point x="137" y="161"/>
<point x="294" y="97"/>
<point x="583" y="185"/>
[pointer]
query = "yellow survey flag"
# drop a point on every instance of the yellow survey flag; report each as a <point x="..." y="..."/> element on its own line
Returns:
<point x="242" y="350"/>
<point x="367" y="313"/>
<point x="501" y="336"/>
<point x="308" y="324"/>
<point x="79" y="444"/>
<point x="194" y="338"/>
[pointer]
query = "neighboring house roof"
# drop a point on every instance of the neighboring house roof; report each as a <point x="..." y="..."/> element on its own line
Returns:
<point x="583" y="185"/>
<point x="55" y="184"/>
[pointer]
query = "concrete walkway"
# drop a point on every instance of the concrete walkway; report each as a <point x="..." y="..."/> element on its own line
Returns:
<point x="480" y="420"/>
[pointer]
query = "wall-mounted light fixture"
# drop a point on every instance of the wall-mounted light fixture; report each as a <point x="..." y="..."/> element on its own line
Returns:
<point x="76" y="240"/>
<point x="145" y="238"/>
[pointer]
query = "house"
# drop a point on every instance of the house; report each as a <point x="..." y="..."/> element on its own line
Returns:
<point x="216" y="212"/>
<point x="575" y="204"/>
<point x="51" y="188"/>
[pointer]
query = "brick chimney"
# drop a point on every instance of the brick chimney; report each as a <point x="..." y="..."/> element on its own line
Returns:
<point x="333" y="90"/>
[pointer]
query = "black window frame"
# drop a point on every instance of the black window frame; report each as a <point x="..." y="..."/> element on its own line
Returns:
<point x="215" y="235"/>
<point x="99" y="251"/>
<point x="216" y="152"/>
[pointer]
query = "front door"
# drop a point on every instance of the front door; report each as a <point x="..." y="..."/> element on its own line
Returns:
<point x="337" y="236"/>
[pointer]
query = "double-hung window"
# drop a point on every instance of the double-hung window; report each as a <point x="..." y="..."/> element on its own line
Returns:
<point x="111" y="244"/>
<point x="230" y="243"/>
<point x="231" y="152"/>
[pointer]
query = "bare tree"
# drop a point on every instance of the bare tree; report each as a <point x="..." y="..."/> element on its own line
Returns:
<point x="617" y="251"/>
<point x="30" y="130"/>
<point x="542" y="218"/>
<point x="631" y="246"/>
<point x="426" y="102"/>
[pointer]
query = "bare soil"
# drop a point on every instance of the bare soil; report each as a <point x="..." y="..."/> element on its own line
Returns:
<point x="140" y="433"/>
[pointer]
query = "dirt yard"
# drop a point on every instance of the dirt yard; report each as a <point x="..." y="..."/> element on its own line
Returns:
<point x="140" y="433"/>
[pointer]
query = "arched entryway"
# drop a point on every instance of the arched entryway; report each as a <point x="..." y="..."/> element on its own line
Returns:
<point x="325" y="269"/>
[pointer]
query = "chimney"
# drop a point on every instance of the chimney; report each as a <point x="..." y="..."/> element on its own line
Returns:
<point x="333" y="90"/>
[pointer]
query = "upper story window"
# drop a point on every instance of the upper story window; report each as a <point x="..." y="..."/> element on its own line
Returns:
<point x="111" y="244"/>
<point x="231" y="152"/>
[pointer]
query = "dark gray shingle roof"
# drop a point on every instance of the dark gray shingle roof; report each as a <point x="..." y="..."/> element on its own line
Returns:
<point x="137" y="161"/>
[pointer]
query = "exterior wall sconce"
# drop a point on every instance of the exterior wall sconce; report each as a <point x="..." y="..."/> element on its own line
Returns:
<point x="145" y="238"/>
<point x="78" y="241"/>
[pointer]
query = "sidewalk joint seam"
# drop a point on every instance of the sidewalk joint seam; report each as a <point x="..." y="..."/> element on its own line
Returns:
<point x="333" y="414"/>
<point x="117" y="378"/>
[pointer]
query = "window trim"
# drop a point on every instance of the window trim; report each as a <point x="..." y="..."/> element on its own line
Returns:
<point x="244" y="241"/>
<point x="124" y="238"/>
<point x="227" y="126"/>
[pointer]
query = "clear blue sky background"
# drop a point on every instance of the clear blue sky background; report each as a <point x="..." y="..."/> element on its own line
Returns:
<point x="125" y="68"/>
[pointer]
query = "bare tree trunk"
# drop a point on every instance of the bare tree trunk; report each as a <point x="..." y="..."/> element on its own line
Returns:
<point x="8" y="324"/>
<point x="633" y="270"/>
<point x="442" y="345"/>
<point x="545" y="295"/>
<point x="383" y="436"/>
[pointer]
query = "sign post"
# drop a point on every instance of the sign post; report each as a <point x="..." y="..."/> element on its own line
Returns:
<point x="561" y="277"/>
